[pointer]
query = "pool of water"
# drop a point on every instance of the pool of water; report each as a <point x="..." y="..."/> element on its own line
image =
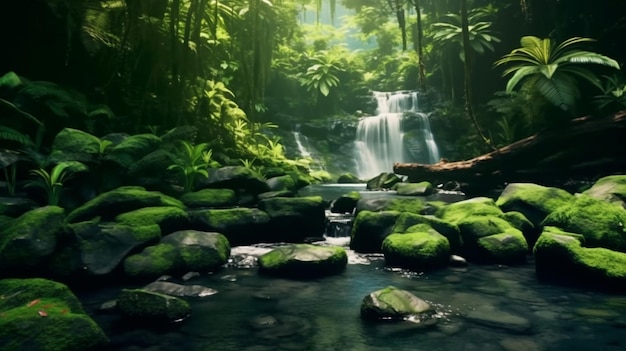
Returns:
<point x="480" y="307"/>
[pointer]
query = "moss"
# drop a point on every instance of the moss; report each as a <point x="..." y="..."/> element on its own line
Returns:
<point x="370" y="229"/>
<point x="212" y="198"/>
<point x="153" y="261"/>
<point x="407" y="222"/>
<point x="124" y="199"/>
<point x="167" y="218"/>
<point x="611" y="189"/>
<point x="478" y="206"/>
<point x="415" y="189"/>
<point x="348" y="178"/>
<point x="153" y="306"/>
<point x="416" y="250"/>
<point x="473" y="228"/>
<point x="18" y="292"/>
<point x="303" y="261"/>
<point x="200" y="251"/>
<point x="415" y="205"/>
<point x="532" y="200"/>
<point x="509" y="247"/>
<point x="393" y="303"/>
<point x="601" y="223"/>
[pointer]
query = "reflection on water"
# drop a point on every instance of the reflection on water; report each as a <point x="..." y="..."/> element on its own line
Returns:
<point x="480" y="308"/>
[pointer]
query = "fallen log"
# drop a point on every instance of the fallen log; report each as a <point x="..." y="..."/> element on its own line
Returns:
<point x="584" y="148"/>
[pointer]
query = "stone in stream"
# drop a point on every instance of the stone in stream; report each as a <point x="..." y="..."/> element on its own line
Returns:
<point x="396" y="304"/>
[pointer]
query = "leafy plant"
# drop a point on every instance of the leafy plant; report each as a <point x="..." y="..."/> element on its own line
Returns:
<point x="552" y="69"/>
<point x="613" y="95"/>
<point x="52" y="182"/>
<point x="192" y="162"/>
<point x="321" y="75"/>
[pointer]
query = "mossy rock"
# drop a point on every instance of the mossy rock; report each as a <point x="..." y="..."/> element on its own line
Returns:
<point x="42" y="315"/>
<point x="153" y="262"/>
<point x="241" y="226"/>
<point x="283" y="182"/>
<point x="345" y="203"/>
<point x="210" y="198"/>
<point x="415" y="189"/>
<point x="560" y="257"/>
<point x="168" y="218"/>
<point x="124" y="199"/>
<point x="30" y="239"/>
<point x="400" y="204"/>
<point x="534" y="201"/>
<point x="370" y="229"/>
<point x="235" y="178"/>
<point x="348" y="178"/>
<point x="199" y="251"/>
<point x="520" y="222"/>
<point x="422" y="250"/>
<point x="407" y="222"/>
<point x="509" y="247"/>
<point x="611" y="189"/>
<point x="74" y="145"/>
<point x="394" y="304"/>
<point x="303" y="261"/>
<point x="293" y="219"/>
<point x="478" y="206"/>
<point x="273" y="194"/>
<point x="383" y="181"/>
<point x="152" y="307"/>
<point x="601" y="223"/>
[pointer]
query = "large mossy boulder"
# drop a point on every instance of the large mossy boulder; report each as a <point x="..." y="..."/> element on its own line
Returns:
<point x="611" y="189"/>
<point x="562" y="257"/>
<point x="293" y="219"/>
<point x="348" y="178"/>
<point x="601" y="223"/>
<point x="394" y="304"/>
<point x="345" y="203"/>
<point x="97" y="249"/>
<point x="283" y="182"/>
<point x="42" y="315"/>
<point x="29" y="240"/>
<point x="303" y="261"/>
<point x="74" y="145"/>
<point x="490" y="239"/>
<point x="115" y="202"/>
<point x="477" y="206"/>
<point x="415" y="189"/>
<point x="178" y="253"/>
<point x="383" y="181"/>
<point x="152" y="307"/>
<point x="410" y="222"/>
<point x="400" y="204"/>
<point x="238" y="178"/>
<point x="370" y="229"/>
<point x="241" y="226"/>
<point x="168" y="218"/>
<point x="210" y="198"/>
<point x="532" y="200"/>
<point x="421" y="250"/>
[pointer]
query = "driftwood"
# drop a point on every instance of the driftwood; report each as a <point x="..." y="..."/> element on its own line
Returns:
<point x="584" y="148"/>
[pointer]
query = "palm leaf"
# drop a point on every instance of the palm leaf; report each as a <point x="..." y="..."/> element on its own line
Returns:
<point x="560" y="91"/>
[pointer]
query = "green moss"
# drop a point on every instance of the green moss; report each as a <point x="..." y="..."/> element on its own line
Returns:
<point x="283" y="206"/>
<point x="393" y="303"/>
<point x="153" y="306"/>
<point x="415" y="189"/>
<point x="418" y="250"/>
<point x="601" y="223"/>
<point x="407" y="221"/>
<point x="200" y="258"/>
<point x="153" y="261"/>
<point x="473" y="228"/>
<point x="348" y="178"/>
<point x="532" y="200"/>
<point x="478" y="206"/>
<point x="303" y="261"/>
<point x="370" y="229"/>
<point x="519" y="221"/>
<point x="611" y="189"/>
<point x="162" y="216"/>
<point x="509" y="247"/>
<point x="415" y="205"/>
<point x="18" y="292"/>
<point x="212" y="198"/>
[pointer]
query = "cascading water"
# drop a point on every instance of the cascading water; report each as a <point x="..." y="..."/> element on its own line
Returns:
<point x="306" y="151"/>
<point x="380" y="139"/>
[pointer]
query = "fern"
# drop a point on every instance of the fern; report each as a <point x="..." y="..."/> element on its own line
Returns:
<point x="10" y="134"/>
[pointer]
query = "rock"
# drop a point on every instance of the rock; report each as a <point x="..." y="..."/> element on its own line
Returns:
<point x="561" y="257"/>
<point x="151" y="306"/>
<point x="74" y="145"/>
<point x="303" y="261"/>
<point x="179" y="290"/>
<point x="97" y="249"/>
<point x="168" y="218"/>
<point x="519" y="344"/>
<point x="16" y="206"/>
<point x="477" y="206"/>
<point x="457" y="261"/>
<point x="418" y="251"/>
<point x="124" y="199"/>
<point x="392" y="303"/>
<point x="610" y="189"/>
<point x="534" y="201"/>
<point x="283" y="182"/>
<point x="153" y="261"/>
<point x="383" y="181"/>
<point x="40" y="315"/>
<point x="293" y="219"/>
<point x="410" y="222"/>
<point x="348" y="178"/>
<point x="401" y="204"/>
<point x="415" y="189"/>
<point x="520" y="222"/>
<point x="345" y="203"/>
<point x="241" y="226"/>
<point x="509" y="247"/>
<point x="210" y="198"/>
<point x="29" y="240"/>
<point x="491" y="317"/>
<point x="600" y="223"/>
<point x="272" y="194"/>
<point x="235" y="178"/>
<point x="370" y="229"/>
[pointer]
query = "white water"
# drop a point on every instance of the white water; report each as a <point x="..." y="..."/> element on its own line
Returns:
<point x="380" y="139"/>
<point x="305" y="151"/>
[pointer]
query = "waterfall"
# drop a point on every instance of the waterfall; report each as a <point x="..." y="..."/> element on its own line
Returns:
<point x="380" y="140"/>
<point x="306" y="151"/>
<point x="302" y="150"/>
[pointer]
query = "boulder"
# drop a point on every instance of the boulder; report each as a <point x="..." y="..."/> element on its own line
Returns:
<point x="210" y="198"/>
<point x="345" y="203"/>
<point x="283" y="182"/>
<point x="42" y="315"/>
<point x="29" y="240"/>
<point x="422" y="250"/>
<point x="490" y="239"/>
<point x="394" y="304"/>
<point x="383" y="181"/>
<point x="152" y="307"/>
<point x="520" y="222"/>
<point x="235" y="178"/>
<point x="561" y="256"/>
<point x="601" y="223"/>
<point x="611" y="189"/>
<point x="370" y="229"/>
<point x="279" y="193"/>
<point x="153" y="262"/>
<point x="241" y="226"/>
<point x="415" y="189"/>
<point x="168" y="218"/>
<point x="179" y="290"/>
<point x="534" y="201"/>
<point x="401" y="204"/>
<point x="303" y="261"/>
<point x="293" y="219"/>
<point x="477" y="206"/>
<point x="348" y="178"/>
<point x="123" y="199"/>
<point x="410" y="222"/>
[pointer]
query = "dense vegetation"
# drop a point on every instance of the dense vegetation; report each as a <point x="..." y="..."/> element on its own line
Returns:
<point x="186" y="84"/>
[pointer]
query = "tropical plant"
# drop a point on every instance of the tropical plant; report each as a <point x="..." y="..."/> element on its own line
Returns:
<point x="321" y="76"/>
<point x="52" y="182"/>
<point x="552" y="69"/>
<point x="613" y="97"/>
<point x="192" y="161"/>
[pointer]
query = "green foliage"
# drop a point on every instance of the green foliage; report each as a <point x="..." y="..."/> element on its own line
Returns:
<point x="321" y="75"/>
<point x="52" y="182"/>
<point x="613" y="97"/>
<point x="192" y="161"/>
<point x="552" y="70"/>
